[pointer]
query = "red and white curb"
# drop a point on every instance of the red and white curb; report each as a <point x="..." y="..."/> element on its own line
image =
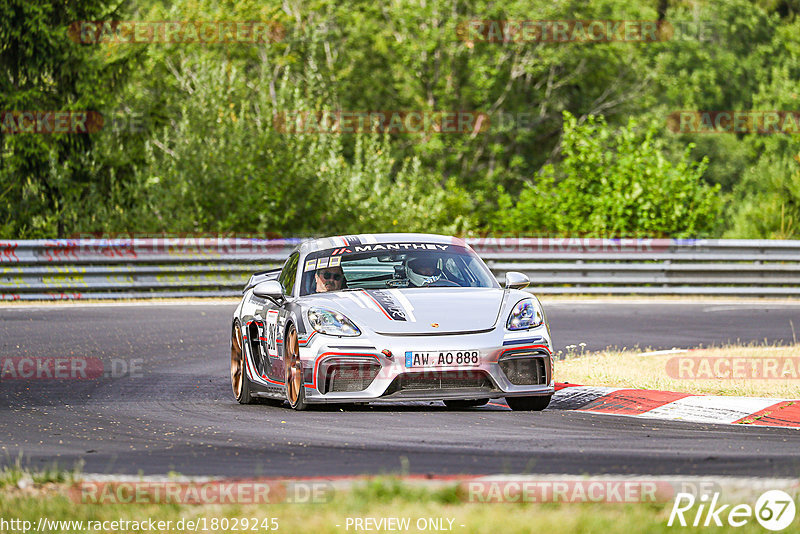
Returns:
<point x="756" y="411"/>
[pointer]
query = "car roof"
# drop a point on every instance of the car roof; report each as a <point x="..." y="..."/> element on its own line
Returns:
<point x="323" y="243"/>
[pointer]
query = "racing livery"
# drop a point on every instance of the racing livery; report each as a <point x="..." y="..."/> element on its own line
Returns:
<point x="390" y="317"/>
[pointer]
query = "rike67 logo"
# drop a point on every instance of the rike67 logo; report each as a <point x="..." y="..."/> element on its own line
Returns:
<point x="774" y="510"/>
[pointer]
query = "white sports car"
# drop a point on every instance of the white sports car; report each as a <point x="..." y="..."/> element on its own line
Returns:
<point x="390" y="317"/>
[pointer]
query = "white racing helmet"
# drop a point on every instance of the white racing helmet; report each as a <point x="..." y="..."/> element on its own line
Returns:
<point x="422" y="271"/>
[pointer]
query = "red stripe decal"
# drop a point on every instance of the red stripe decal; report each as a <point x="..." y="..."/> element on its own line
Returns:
<point x="272" y="381"/>
<point x="378" y="304"/>
<point x="247" y="364"/>
<point x="306" y="340"/>
<point x="785" y="414"/>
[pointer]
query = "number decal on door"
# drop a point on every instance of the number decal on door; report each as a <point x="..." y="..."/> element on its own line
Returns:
<point x="272" y="333"/>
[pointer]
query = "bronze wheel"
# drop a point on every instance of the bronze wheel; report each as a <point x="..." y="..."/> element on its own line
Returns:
<point x="295" y="390"/>
<point x="239" y="382"/>
<point x="236" y="362"/>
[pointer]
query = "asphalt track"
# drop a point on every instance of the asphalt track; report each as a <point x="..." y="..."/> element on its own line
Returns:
<point x="178" y="413"/>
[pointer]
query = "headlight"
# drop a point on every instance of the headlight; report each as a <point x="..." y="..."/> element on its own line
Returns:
<point x="332" y="323"/>
<point x="526" y="314"/>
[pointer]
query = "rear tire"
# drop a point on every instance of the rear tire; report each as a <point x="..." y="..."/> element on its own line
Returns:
<point x="461" y="404"/>
<point x="239" y="381"/>
<point x="528" y="404"/>
<point x="295" y="388"/>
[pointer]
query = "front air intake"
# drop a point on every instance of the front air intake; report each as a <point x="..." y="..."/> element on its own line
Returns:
<point x="340" y="377"/>
<point x="526" y="369"/>
<point x="440" y="380"/>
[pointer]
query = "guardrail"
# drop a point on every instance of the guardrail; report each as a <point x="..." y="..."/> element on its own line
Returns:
<point x="219" y="267"/>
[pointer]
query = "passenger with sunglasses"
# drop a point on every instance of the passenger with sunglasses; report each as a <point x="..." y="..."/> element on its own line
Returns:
<point x="329" y="279"/>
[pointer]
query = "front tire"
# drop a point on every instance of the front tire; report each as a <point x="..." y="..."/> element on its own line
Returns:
<point x="295" y="389"/>
<point x="239" y="381"/>
<point x="528" y="404"/>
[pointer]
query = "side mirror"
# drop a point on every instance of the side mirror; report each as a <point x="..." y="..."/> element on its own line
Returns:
<point x="271" y="289"/>
<point x="516" y="280"/>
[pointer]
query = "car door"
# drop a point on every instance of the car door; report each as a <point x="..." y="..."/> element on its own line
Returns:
<point x="274" y="320"/>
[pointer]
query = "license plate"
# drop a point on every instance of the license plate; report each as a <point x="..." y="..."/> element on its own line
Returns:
<point x="442" y="358"/>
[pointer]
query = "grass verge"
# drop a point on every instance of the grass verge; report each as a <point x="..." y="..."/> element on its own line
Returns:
<point x="729" y="370"/>
<point x="378" y="498"/>
<point x="15" y="476"/>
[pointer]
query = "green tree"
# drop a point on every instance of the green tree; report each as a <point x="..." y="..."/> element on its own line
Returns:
<point x="46" y="180"/>
<point x="224" y="165"/>
<point x="209" y="158"/>
<point x="613" y="183"/>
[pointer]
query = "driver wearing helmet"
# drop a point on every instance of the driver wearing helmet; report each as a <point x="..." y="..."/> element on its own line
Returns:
<point x="422" y="271"/>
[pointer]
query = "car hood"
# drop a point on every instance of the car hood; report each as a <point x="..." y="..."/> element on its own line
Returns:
<point x="416" y="311"/>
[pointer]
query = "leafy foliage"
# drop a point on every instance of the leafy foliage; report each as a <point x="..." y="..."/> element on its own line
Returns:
<point x="224" y="165"/>
<point x="44" y="178"/>
<point x="577" y="141"/>
<point x="613" y="183"/>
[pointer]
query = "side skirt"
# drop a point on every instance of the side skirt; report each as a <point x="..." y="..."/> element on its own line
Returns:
<point x="269" y="395"/>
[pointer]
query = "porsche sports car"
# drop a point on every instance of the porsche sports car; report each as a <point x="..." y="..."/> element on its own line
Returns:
<point x="390" y="317"/>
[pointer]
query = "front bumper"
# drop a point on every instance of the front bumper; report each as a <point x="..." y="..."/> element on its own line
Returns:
<point x="361" y="369"/>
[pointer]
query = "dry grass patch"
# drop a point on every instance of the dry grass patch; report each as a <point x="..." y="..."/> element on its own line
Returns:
<point x="729" y="370"/>
<point x="377" y="499"/>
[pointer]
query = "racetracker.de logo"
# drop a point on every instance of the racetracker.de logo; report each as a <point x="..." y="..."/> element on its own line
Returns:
<point x="50" y="122"/>
<point x="572" y="245"/>
<point x="736" y="122"/>
<point x="66" y="251"/>
<point x="67" y="368"/>
<point x="733" y="368"/>
<point x="252" y="491"/>
<point x="567" y="491"/>
<point x="175" y="32"/>
<point x="392" y="122"/>
<point x="564" y="31"/>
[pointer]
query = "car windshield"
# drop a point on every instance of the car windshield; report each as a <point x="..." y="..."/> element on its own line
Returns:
<point x="394" y="265"/>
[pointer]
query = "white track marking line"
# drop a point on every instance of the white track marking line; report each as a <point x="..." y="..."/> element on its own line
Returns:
<point x="662" y="352"/>
<point x="710" y="409"/>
